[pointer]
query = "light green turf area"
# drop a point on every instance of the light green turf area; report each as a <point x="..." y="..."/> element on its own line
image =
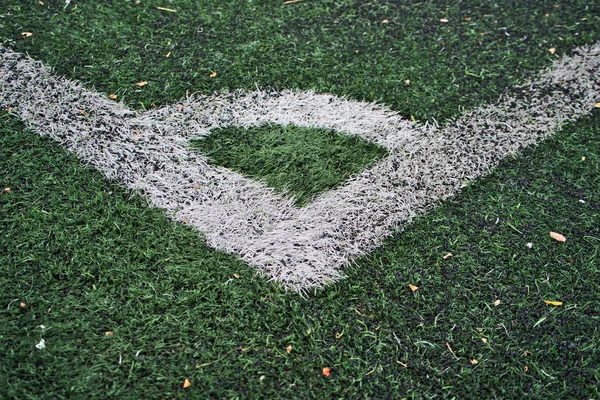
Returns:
<point x="87" y="257"/>
<point x="296" y="161"/>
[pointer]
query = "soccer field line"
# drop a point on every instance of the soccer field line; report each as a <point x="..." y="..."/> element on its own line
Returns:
<point x="306" y="247"/>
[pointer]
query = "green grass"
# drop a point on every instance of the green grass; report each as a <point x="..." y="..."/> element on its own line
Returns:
<point x="340" y="46"/>
<point x="88" y="257"/>
<point x="296" y="161"/>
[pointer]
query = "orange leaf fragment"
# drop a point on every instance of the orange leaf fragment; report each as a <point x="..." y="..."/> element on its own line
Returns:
<point x="196" y="186"/>
<point x="597" y="105"/>
<point x="142" y="83"/>
<point x="385" y="21"/>
<point x="413" y="287"/>
<point x="558" y="237"/>
<point x="186" y="383"/>
<point x="326" y="371"/>
<point x="112" y="96"/>
<point x="553" y="303"/>
<point x="288" y="349"/>
<point x="212" y="75"/>
<point x="467" y="19"/>
<point x="552" y="50"/>
<point x="26" y="34"/>
<point x="179" y="107"/>
<point x="22" y="304"/>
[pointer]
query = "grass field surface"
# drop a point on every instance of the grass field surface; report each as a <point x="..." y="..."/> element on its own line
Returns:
<point x="130" y="304"/>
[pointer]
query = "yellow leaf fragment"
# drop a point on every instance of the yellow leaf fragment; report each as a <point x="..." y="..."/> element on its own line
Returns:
<point x="497" y="302"/>
<point x="166" y="9"/>
<point x="26" y="34"/>
<point x="385" y="21"/>
<point x="7" y="190"/>
<point x="236" y="276"/>
<point x="553" y="303"/>
<point x="413" y="287"/>
<point x="168" y="54"/>
<point x="401" y="363"/>
<point x="474" y="362"/>
<point x="142" y="83"/>
<point x="558" y="237"/>
<point x="212" y="75"/>
<point x="186" y="383"/>
<point x="109" y="333"/>
<point x="288" y="349"/>
<point x="597" y="105"/>
<point x="112" y="96"/>
<point x="447" y="256"/>
<point x="552" y="50"/>
<point x="484" y="340"/>
<point x="338" y="335"/>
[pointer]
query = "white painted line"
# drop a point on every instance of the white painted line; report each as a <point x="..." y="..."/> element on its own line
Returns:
<point x="300" y="247"/>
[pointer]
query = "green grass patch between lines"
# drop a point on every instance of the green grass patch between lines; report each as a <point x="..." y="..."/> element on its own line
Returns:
<point x="295" y="161"/>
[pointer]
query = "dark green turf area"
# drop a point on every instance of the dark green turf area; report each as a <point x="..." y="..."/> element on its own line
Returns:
<point x="86" y="258"/>
<point x="337" y="46"/>
<point x="296" y="161"/>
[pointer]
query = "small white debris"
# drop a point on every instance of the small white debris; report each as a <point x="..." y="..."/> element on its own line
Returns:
<point x="582" y="201"/>
<point x="41" y="345"/>
<point x="42" y="327"/>
<point x="529" y="245"/>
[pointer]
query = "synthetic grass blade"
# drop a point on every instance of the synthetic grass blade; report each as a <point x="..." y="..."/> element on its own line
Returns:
<point x="302" y="248"/>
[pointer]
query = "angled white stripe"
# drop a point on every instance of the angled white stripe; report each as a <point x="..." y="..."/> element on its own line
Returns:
<point x="301" y="247"/>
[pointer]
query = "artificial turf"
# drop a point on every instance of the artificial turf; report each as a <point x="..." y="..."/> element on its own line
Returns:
<point x="297" y="162"/>
<point x="133" y="304"/>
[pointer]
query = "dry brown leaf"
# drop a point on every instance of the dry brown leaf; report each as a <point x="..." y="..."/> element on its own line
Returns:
<point x="326" y="371"/>
<point x="214" y="74"/>
<point x="474" y="362"/>
<point x="288" y="349"/>
<point x="109" y="333"/>
<point x="553" y="303"/>
<point x="451" y="351"/>
<point x="552" y="50"/>
<point x="112" y="96"/>
<point x="186" y="383"/>
<point x="497" y="302"/>
<point x="413" y="287"/>
<point x="26" y="34"/>
<point x="142" y="83"/>
<point x="558" y="237"/>
<point x="447" y="256"/>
